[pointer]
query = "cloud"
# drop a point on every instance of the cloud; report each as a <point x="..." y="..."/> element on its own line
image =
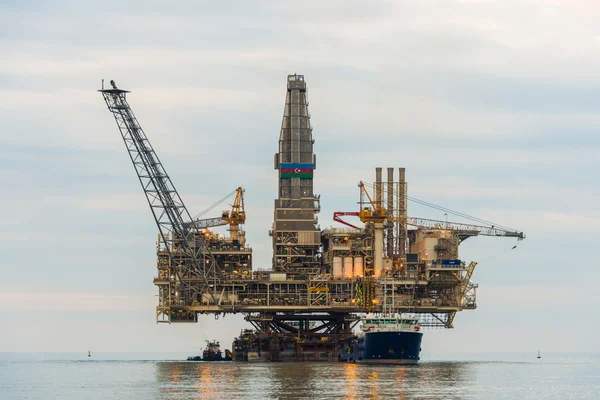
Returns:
<point x="528" y="297"/>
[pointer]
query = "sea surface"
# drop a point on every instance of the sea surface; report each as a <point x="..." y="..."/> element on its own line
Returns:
<point x="162" y="376"/>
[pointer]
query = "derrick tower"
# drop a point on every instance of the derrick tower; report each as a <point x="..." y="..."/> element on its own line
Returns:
<point x="296" y="235"/>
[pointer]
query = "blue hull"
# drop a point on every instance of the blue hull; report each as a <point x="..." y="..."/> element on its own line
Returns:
<point x="388" y="348"/>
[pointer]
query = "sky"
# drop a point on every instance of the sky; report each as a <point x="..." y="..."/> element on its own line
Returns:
<point x="491" y="106"/>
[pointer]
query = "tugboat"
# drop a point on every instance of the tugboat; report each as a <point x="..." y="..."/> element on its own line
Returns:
<point x="212" y="352"/>
<point x="388" y="340"/>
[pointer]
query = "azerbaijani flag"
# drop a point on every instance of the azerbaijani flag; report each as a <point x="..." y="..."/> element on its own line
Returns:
<point x="296" y="170"/>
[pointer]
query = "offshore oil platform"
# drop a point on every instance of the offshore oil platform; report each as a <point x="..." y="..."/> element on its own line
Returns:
<point x="389" y="271"/>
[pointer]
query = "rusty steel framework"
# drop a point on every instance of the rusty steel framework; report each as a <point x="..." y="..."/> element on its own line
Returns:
<point x="304" y="294"/>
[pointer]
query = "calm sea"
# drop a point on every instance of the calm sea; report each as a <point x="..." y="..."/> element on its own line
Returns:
<point x="154" y="376"/>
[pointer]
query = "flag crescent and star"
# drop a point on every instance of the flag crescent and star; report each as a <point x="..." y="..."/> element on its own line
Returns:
<point x="296" y="170"/>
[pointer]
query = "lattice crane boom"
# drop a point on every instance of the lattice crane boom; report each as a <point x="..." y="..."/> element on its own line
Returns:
<point x="209" y="222"/>
<point x="436" y="224"/>
<point x="191" y="260"/>
<point x="338" y="214"/>
<point x="457" y="226"/>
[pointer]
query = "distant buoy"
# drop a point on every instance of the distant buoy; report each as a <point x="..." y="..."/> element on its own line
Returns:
<point x="89" y="354"/>
<point x="539" y="356"/>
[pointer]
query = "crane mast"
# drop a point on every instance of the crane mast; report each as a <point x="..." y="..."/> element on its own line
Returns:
<point x="237" y="216"/>
<point x="191" y="265"/>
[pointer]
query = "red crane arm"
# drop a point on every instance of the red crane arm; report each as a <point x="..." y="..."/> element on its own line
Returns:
<point x="338" y="214"/>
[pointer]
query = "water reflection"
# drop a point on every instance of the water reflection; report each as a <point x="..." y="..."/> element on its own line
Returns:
<point x="228" y="380"/>
<point x="401" y="383"/>
<point x="373" y="377"/>
<point x="206" y="383"/>
<point x="293" y="380"/>
<point x="350" y="370"/>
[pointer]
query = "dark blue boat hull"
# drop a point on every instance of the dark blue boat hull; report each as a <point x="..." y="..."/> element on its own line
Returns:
<point x="388" y="348"/>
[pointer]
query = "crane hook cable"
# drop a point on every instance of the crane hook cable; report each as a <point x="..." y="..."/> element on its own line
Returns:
<point x="214" y="205"/>
<point x="498" y="254"/>
<point x="457" y="213"/>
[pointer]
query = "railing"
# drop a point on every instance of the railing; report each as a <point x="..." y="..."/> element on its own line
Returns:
<point x="342" y="231"/>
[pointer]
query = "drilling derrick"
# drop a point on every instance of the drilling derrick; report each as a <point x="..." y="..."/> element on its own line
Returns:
<point x="296" y="236"/>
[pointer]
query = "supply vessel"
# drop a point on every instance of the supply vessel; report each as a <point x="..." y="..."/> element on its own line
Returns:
<point x="388" y="340"/>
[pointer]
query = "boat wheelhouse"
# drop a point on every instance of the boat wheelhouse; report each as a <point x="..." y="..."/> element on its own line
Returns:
<point x="389" y="324"/>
